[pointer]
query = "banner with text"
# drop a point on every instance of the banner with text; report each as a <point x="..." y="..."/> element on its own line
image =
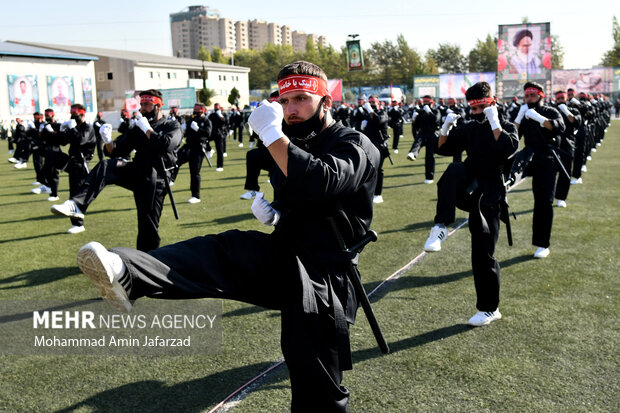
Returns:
<point x="454" y="85"/>
<point x="426" y="85"/>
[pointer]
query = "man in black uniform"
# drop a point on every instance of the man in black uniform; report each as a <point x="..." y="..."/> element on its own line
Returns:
<point x="477" y="186"/>
<point x="541" y="125"/>
<point x="236" y="124"/>
<point x="396" y="115"/>
<point x="219" y="130"/>
<point x="375" y="127"/>
<point x="196" y="137"/>
<point x="155" y="140"/>
<point x="23" y="143"/>
<point x="97" y="124"/>
<point x="80" y="137"/>
<point x="125" y="122"/>
<point x="359" y="114"/>
<point x="50" y="144"/>
<point x="424" y="125"/>
<point x="572" y="120"/>
<point x="324" y="170"/>
<point x="343" y="114"/>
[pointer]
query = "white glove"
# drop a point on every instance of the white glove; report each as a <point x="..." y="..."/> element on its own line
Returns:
<point x="368" y="108"/>
<point x="521" y="113"/>
<point x="219" y="113"/>
<point x="564" y="109"/>
<point x="49" y="128"/>
<point x="120" y="122"/>
<point x="449" y="111"/>
<point x="514" y="105"/>
<point x="427" y="109"/>
<point x="143" y="123"/>
<point x="493" y="117"/>
<point x="266" y="121"/>
<point x="132" y="122"/>
<point x="415" y="115"/>
<point x="449" y="123"/>
<point x="263" y="211"/>
<point x="535" y="116"/>
<point x="184" y="126"/>
<point x="363" y="124"/>
<point x="71" y="123"/>
<point x="41" y="127"/>
<point x="97" y="124"/>
<point x="106" y="133"/>
<point x="63" y="126"/>
<point x="194" y="126"/>
<point x="575" y="101"/>
<point x="30" y="125"/>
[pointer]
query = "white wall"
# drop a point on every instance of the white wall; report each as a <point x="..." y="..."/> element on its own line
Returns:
<point x="222" y="83"/>
<point x="159" y="78"/>
<point x="78" y="69"/>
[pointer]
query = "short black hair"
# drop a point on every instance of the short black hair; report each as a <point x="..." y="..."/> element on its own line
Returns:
<point x="274" y="94"/>
<point x="534" y="85"/>
<point x="520" y="35"/>
<point x="78" y="106"/>
<point x="479" y="90"/>
<point x="151" y="92"/>
<point x="301" y="67"/>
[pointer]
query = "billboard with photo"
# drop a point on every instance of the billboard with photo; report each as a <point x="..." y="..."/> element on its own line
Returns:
<point x="355" y="57"/>
<point x="616" y="80"/>
<point x="523" y="54"/>
<point x="60" y="93"/>
<point x="87" y="91"/>
<point x="454" y="85"/>
<point x="426" y="85"/>
<point x="584" y="80"/>
<point x="23" y="94"/>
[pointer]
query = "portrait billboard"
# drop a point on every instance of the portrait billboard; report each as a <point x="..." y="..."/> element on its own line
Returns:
<point x="60" y="93"/>
<point x="454" y="85"/>
<point x="426" y="85"/>
<point x="616" y="81"/>
<point x="523" y="54"/>
<point x="23" y="94"/>
<point x="598" y="80"/>
<point x="87" y="91"/>
<point x="355" y="58"/>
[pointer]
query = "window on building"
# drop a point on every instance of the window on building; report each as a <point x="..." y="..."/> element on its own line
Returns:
<point x="100" y="76"/>
<point x="174" y="75"/>
<point x="110" y="76"/>
<point x="151" y="75"/>
<point x="168" y="75"/>
<point x="219" y="77"/>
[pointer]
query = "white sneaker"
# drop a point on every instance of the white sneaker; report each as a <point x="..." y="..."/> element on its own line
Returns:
<point x="240" y="145"/>
<point x="576" y="181"/>
<point x="68" y="209"/>
<point x="395" y="151"/>
<point x="589" y="158"/>
<point x="41" y="190"/>
<point x="20" y="165"/>
<point x="225" y="155"/>
<point x="593" y="150"/>
<point x="484" y="318"/>
<point x="411" y="156"/>
<point x="11" y="152"/>
<point x="561" y="204"/>
<point x="219" y="169"/>
<point x="428" y="181"/>
<point x="36" y="183"/>
<point x="541" y="252"/>
<point x="437" y="236"/>
<point x="248" y="195"/>
<point x="52" y="198"/>
<point x="251" y="145"/>
<point x="377" y="199"/>
<point x="76" y="229"/>
<point x="104" y="268"/>
<point x="584" y="168"/>
<point x="171" y="183"/>
<point x="210" y="153"/>
<point x="598" y="144"/>
<point x="193" y="200"/>
<point x="13" y="160"/>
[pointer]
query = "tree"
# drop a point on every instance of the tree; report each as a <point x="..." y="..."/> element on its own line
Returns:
<point x="449" y="58"/>
<point x="234" y="96"/>
<point x="612" y="57"/>
<point x="557" y="53"/>
<point x="483" y="57"/>
<point x="218" y="56"/>
<point x="204" y="54"/>
<point x="205" y="95"/>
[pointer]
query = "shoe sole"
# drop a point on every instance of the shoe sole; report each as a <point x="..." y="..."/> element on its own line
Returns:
<point x="112" y="292"/>
<point x="486" y="323"/>
<point x="61" y="213"/>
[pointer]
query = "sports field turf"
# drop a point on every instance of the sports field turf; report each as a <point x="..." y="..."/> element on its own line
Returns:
<point x="555" y="350"/>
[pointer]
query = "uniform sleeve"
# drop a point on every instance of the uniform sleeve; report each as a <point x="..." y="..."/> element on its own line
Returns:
<point x="455" y="143"/>
<point x="557" y="122"/>
<point x="168" y="139"/>
<point x="508" y="142"/>
<point x="206" y="130"/>
<point x="340" y="172"/>
<point x="124" y="144"/>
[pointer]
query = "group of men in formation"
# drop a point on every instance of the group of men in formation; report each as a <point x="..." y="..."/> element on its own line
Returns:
<point x="325" y="163"/>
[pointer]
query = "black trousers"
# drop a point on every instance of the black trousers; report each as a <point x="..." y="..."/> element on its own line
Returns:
<point x="38" y="159"/>
<point x="563" y="185"/>
<point x="195" y="156"/>
<point x="580" y="154"/>
<point x="22" y="149"/>
<point x="543" y="170"/>
<point x="49" y="171"/>
<point x="249" y="267"/>
<point x="77" y="170"/>
<point x="398" y="131"/>
<point x="451" y="193"/>
<point x="149" y="201"/>
<point x="255" y="160"/>
<point x="220" y="148"/>
<point x="429" y="158"/>
<point x="239" y="129"/>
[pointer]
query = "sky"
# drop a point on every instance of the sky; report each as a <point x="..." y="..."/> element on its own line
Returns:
<point x="584" y="27"/>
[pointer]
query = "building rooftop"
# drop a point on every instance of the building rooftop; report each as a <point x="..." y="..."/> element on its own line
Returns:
<point x="140" y="59"/>
<point x="32" y="50"/>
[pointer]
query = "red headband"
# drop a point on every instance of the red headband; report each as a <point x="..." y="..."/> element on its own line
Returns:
<point x="560" y="94"/>
<point x="483" y="101"/>
<point x="151" y="99"/>
<point x="198" y="107"/>
<point x="534" y="90"/>
<point x="78" y="111"/>
<point x="303" y="83"/>
<point x="49" y="111"/>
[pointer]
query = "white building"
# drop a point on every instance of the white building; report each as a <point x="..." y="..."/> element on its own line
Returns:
<point x="35" y="78"/>
<point x="118" y="72"/>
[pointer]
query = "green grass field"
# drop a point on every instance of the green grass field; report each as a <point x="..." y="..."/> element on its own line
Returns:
<point x="555" y="350"/>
